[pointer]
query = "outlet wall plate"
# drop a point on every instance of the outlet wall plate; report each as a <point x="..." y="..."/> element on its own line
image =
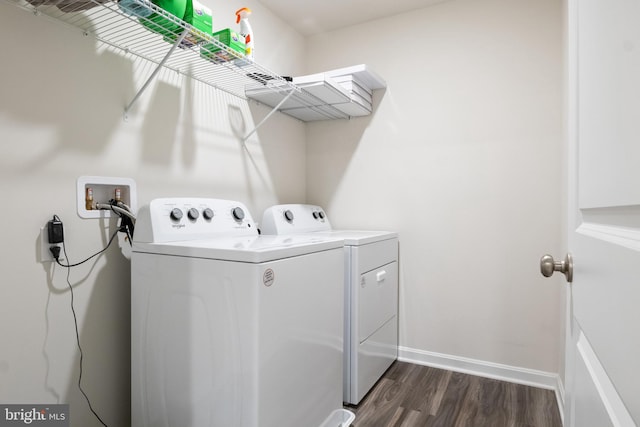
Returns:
<point x="45" y="253"/>
<point x="104" y="188"/>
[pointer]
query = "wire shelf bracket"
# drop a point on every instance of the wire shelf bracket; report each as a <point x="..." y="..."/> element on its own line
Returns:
<point x="268" y="116"/>
<point x="154" y="74"/>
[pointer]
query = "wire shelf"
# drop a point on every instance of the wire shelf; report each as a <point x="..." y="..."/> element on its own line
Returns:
<point x="175" y="45"/>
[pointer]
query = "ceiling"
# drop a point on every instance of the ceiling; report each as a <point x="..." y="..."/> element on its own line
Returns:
<point x="314" y="17"/>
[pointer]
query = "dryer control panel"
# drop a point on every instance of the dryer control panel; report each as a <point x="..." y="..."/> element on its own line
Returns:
<point x="178" y="219"/>
<point x="294" y="219"/>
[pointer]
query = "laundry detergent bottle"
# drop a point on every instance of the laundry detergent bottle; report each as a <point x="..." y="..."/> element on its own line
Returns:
<point x="242" y="18"/>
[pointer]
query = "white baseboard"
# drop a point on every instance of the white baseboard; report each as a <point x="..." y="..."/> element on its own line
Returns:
<point x="560" y="396"/>
<point x="481" y="368"/>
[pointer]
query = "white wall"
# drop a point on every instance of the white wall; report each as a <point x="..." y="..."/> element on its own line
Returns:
<point x="460" y="157"/>
<point x="61" y="104"/>
<point x="463" y="156"/>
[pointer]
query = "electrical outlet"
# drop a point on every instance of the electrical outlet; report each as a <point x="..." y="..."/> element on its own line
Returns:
<point x="45" y="253"/>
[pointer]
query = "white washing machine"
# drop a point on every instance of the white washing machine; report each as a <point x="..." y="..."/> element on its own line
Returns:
<point x="232" y="329"/>
<point x="371" y="292"/>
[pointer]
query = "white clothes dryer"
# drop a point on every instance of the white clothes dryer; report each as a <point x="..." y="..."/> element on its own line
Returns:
<point x="370" y="286"/>
<point x="229" y="328"/>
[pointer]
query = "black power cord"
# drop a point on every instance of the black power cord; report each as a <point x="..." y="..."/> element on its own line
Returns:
<point x="75" y="322"/>
<point x="55" y="251"/>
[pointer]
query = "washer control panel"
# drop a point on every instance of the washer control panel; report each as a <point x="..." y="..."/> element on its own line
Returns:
<point x="294" y="219"/>
<point x="177" y="219"/>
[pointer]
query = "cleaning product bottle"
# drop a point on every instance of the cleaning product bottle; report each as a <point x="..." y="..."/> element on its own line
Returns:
<point x="242" y="18"/>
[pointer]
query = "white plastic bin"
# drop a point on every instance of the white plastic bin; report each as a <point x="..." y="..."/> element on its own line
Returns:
<point x="339" y="418"/>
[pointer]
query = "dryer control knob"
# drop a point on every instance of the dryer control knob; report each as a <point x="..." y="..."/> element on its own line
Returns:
<point x="315" y="214"/>
<point x="176" y="214"/>
<point x="238" y="214"/>
<point x="321" y="215"/>
<point x="288" y="215"/>
<point x="193" y="213"/>
<point x="207" y="213"/>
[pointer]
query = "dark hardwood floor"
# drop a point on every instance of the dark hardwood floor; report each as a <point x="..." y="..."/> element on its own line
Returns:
<point x="418" y="396"/>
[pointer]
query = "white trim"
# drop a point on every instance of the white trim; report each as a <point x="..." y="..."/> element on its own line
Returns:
<point x="611" y="400"/>
<point x="481" y="368"/>
<point x="622" y="236"/>
<point x="559" y="389"/>
<point x="512" y="374"/>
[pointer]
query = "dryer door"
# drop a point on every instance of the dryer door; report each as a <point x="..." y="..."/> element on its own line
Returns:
<point x="377" y="299"/>
<point x="377" y="328"/>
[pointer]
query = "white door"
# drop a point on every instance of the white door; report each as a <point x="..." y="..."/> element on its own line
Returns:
<point x="603" y="347"/>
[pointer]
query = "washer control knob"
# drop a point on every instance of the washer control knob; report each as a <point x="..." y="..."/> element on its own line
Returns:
<point x="193" y="213"/>
<point x="321" y="215"/>
<point x="288" y="215"/>
<point x="315" y="214"/>
<point x="207" y="214"/>
<point x="176" y="214"/>
<point x="238" y="214"/>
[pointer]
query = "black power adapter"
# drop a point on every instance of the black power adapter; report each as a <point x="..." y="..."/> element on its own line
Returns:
<point x="55" y="230"/>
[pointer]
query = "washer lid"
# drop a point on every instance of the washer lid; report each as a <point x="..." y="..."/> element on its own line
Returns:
<point x="253" y="249"/>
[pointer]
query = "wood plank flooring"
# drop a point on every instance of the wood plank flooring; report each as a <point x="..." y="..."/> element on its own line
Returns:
<point x="410" y="395"/>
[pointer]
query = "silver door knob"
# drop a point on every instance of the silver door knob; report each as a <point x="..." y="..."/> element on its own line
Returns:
<point x="548" y="266"/>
